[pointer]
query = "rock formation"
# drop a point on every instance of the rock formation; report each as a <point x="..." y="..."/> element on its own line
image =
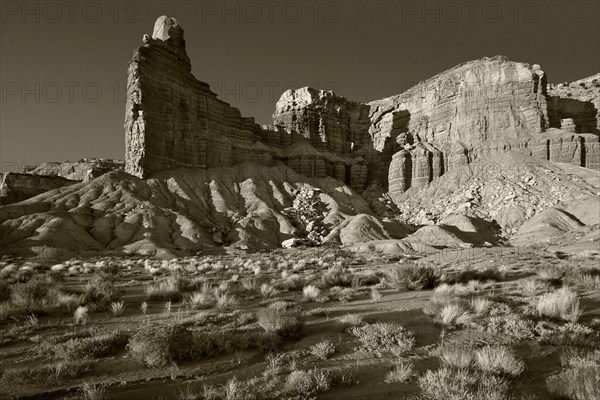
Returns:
<point x="15" y="187"/>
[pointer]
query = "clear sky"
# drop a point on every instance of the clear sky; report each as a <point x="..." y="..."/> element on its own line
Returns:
<point x="64" y="63"/>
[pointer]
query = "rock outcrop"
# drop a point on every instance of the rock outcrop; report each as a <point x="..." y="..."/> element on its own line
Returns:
<point x="84" y="169"/>
<point x="15" y="187"/>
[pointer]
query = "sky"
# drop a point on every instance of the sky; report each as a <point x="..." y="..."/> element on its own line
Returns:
<point x="63" y="64"/>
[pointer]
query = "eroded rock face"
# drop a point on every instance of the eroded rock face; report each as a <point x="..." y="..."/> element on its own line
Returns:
<point x="15" y="187"/>
<point x="465" y="115"/>
<point x="579" y="101"/>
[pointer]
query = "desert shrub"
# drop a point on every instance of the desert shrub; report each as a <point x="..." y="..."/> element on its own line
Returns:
<point x="293" y="282"/>
<point x="323" y="350"/>
<point x="367" y="278"/>
<point x="336" y="277"/>
<point x="375" y="295"/>
<point x="47" y="375"/>
<point x="562" y="303"/>
<point x="456" y="356"/>
<point x="268" y="291"/>
<point x="384" y="336"/>
<point x="301" y="385"/>
<point x="471" y="274"/>
<point x="100" y="292"/>
<point x="462" y="384"/>
<point x="551" y="274"/>
<point x="498" y="360"/>
<point x="91" y="347"/>
<point x="281" y="319"/>
<point x="81" y="315"/>
<point x="588" y="278"/>
<point x="92" y="392"/>
<point x="410" y="276"/>
<point x="166" y="289"/>
<point x="225" y="301"/>
<point x="344" y="295"/>
<point x="200" y="300"/>
<point x="311" y="293"/>
<point x="445" y="295"/>
<point x="480" y="305"/>
<point x="401" y="372"/>
<point x="33" y="296"/>
<point x="159" y="345"/>
<point x="578" y="383"/>
<point x="510" y="325"/>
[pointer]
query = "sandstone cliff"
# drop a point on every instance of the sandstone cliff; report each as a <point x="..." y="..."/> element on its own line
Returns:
<point x="15" y="187"/>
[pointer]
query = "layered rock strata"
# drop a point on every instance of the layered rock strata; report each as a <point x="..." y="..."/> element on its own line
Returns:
<point x="15" y="187"/>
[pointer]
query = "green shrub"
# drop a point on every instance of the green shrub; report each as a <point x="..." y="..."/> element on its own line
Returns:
<point x="281" y="319"/>
<point x="409" y="276"/>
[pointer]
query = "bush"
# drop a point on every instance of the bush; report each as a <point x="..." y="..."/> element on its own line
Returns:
<point x="551" y="274"/>
<point x="336" y="277"/>
<point x="323" y="350"/>
<point x="579" y="380"/>
<point x="384" y="336"/>
<point x="47" y="375"/>
<point x="461" y="384"/>
<point x="453" y="315"/>
<point x="301" y="385"/>
<point x="34" y="296"/>
<point x="470" y="274"/>
<point x="92" y="347"/>
<point x="311" y="293"/>
<point x="575" y="384"/>
<point x="158" y="346"/>
<point x="167" y="289"/>
<point x="498" y="360"/>
<point x="410" y="276"/>
<point x="100" y="292"/>
<point x="281" y="319"/>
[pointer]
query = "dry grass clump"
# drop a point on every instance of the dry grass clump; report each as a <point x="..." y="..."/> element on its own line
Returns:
<point x="384" y="336"/>
<point x="46" y="375"/>
<point x="166" y="289"/>
<point x="117" y="308"/>
<point x="323" y="350"/>
<point x="200" y="300"/>
<point x="588" y="278"/>
<point x="499" y="361"/>
<point x="92" y="392"/>
<point x="453" y="315"/>
<point x="446" y="295"/>
<point x="225" y="301"/>
<point x="281" y="319"/>
<point x="409" y="276"/>
<point x="551" y="274"/>
<point x="456" y="356"/>
<point x="562" y="303"/>
<point x="268" y="291"/>
<point x="402" y="372"/>
<point x="579" y="379"/>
